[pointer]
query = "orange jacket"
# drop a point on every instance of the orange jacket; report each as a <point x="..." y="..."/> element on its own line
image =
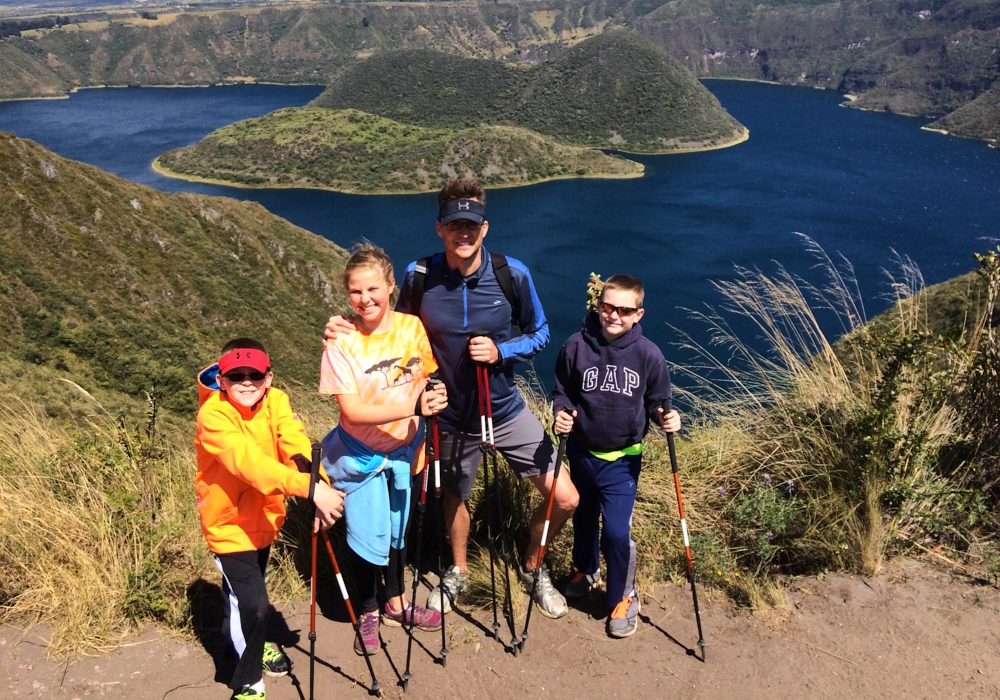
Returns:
<point x="245" y="469"/>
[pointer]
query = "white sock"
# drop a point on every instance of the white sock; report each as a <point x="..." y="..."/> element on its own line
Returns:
<point x="259" y="686"/>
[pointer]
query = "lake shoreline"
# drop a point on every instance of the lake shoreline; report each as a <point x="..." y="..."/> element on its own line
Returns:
<point x="165" y="172"/>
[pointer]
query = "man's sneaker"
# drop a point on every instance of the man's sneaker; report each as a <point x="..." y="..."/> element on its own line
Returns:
<point x="247" y="693"/>
<point x="581" y="583"/>
<point x="624" y="619"/>
<point x="423" y="619"/>
<point x="276" y="663"/>
<point x="550" y="602"/>
<point x="454" y="582"/>
<point x="369" y="635"/>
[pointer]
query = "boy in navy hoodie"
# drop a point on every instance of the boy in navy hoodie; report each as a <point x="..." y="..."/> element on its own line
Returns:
<point x="610" y="382"/>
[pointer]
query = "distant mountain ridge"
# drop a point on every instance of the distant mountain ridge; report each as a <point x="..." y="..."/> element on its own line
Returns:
<point x="128" y="288"/>
<point x="615" y="90"/>
<point x="925" y="59"/>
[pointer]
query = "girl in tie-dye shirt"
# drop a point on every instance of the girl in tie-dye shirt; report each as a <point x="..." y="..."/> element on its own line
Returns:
<point x="378" y="375"/>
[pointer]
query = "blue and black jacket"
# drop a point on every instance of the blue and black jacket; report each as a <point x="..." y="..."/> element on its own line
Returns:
<point x="451" y="308"/>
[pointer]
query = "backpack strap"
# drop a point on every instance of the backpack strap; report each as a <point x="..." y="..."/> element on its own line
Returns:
<point x="417" y="287"/>
<point x="502" y="272"/>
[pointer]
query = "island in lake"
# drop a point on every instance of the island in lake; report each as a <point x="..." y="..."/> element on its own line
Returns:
<point x="407" y="121"/>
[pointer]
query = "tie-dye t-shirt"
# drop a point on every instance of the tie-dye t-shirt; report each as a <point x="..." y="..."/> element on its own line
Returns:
<point x="382" y="368"/>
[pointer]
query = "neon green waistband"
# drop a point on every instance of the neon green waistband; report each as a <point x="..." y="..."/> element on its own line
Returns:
<point x="635" y="449"/>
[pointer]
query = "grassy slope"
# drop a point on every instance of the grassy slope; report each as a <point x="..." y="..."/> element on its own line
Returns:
<point x="881" y="48"/>
<point x="979" y="119"/>
<point x="616" y="90"/>
<point x="352" y="151"/>
<point x="120" y="286"/>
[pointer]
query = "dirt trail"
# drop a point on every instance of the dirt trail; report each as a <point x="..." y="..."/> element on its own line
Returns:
<point x="912" y="632"/>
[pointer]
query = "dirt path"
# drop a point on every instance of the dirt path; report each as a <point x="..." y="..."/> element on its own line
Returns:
<point x="912" y="632"/>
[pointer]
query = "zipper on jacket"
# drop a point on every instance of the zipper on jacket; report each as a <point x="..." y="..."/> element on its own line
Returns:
<point x="465" y="304"/>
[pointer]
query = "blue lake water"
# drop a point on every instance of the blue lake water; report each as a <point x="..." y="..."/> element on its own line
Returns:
<point x="860" y="184"/>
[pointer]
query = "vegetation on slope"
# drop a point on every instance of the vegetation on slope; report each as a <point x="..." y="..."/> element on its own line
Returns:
<point x="352" y="151"/>
<point x="616" y="90"/>
<point x="138" y="289"/>
<point x="979" y="119"/>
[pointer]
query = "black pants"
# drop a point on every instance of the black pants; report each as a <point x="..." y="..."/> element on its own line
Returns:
<point x="247" y="611"/>
<point x="368" y="576"/>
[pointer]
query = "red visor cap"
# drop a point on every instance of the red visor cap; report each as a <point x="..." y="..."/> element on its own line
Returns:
<point x="244" y="357"/>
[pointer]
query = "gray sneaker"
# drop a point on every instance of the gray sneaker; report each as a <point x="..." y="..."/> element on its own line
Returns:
<point x="581" y="583"/>
<point x="454" y="582"/>
<point x="624" y="619"/>
<point x="549" y="601"/>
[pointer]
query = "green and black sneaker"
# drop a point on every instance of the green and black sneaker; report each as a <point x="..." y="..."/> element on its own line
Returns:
<point x="248" y="693"/>
<point x="275" y="662"/>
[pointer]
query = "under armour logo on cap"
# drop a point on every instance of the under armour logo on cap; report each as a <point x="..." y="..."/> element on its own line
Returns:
<point x="468" y="209"/>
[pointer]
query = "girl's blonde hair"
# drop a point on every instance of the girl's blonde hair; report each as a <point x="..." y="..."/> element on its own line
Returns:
<point x="368" y="255"/>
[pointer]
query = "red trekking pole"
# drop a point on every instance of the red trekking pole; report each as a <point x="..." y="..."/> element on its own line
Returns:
<point x="684" y="531"/>
<point x="313" y="475"/>
<point x="563" y="440"/>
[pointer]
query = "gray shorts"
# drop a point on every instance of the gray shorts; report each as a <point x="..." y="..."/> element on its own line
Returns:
<point x="521" y="440"/>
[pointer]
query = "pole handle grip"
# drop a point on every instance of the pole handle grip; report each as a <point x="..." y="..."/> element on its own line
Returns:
<point x="317" y="451"/>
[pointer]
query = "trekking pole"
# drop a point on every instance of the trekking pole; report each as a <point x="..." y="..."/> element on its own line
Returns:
<point x="502" y="524"/>
<point x="684" y="531"/>
<point x="563" y="440"/>
<point x="421" y="507"/>
<point x="484" y="447"/>
<point x="313" y="475"/>
<point x="440" y="510"/>
<point x="376" y="686"/>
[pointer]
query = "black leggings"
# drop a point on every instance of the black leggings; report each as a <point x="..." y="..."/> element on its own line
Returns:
<point x="367" y="577"/>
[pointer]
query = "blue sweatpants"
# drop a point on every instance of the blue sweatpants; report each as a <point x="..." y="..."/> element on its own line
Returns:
<point x="607" y="491"/>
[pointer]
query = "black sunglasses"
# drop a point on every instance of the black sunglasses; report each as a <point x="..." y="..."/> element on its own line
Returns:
<point x="456" y="226"/>
<point x="240" y="377"/>
<point x="622" y="310"/>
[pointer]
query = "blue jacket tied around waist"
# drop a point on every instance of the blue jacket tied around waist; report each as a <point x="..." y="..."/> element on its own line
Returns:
<point x="377" y="504"/>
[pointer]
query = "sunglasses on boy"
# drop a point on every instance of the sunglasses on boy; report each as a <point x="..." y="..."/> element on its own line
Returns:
<point x="622" y="310"/>
<point x="239" y="377"/>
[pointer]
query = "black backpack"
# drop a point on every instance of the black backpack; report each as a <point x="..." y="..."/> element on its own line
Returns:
<point x="500" y="268"/>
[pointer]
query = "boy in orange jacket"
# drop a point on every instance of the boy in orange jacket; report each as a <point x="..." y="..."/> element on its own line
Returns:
<point x="252" y="452"/>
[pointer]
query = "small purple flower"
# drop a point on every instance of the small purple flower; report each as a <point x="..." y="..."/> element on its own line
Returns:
<point x="790" y="486"/>
<point x="769" y="536"/>
<point x="767" y="478"/>
<point x="722" y="492"/>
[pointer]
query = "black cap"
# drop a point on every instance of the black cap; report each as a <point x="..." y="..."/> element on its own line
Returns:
<point x="457" y="209"/>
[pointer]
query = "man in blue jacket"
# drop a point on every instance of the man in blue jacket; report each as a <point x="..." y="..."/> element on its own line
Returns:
<point x="455" y="293"/>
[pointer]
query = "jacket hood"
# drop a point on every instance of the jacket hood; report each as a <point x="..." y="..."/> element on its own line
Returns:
<point x="208" y="383"/>
<point x="595" y="339"/>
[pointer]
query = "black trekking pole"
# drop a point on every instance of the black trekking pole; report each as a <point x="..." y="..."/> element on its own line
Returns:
<point x="421" y="508"/>
<point x="502" y="529"/>
<point x="563" y="440"/>
<point x="376" y="686"/>
<point x="684" y="531"/>
<point x="440" y="553"/>
<point x="313" y="475"/>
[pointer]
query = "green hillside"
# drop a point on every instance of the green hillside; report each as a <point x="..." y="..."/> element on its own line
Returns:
<point x="352" y="151"/>
<point x="120" y="286"/>
<point x="616" y="90"/>
<point x="979" y="119"/>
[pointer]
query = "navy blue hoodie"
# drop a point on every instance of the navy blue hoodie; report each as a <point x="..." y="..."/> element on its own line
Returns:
<point x="615" y="387"/>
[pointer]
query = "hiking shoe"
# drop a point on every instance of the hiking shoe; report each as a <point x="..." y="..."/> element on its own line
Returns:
<point x="454" y="582"/>
<point x="247" y="693"/>
<point x="624" y="619"/>
<point x="548" y="600"/>
<point x="423" y="619"/>
<point x="276" y="663"/>
<point x="581" y="583"/>
<point x="369" y="635"/>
